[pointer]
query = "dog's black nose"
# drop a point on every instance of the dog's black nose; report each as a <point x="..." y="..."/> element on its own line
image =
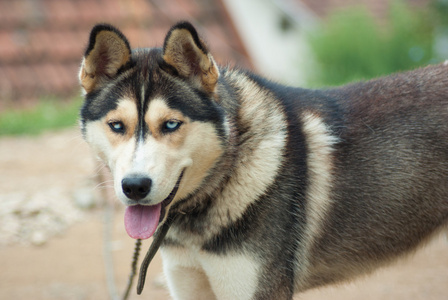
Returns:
<point x="135" y="187"/>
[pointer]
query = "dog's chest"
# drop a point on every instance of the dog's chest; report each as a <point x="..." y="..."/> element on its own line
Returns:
<point x="231" y="275"/>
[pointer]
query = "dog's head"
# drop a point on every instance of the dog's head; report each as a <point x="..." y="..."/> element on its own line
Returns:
<point x="152" y="116"/>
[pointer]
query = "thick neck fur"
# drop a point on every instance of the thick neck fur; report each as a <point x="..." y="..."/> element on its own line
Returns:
<point x="246" y="170"/>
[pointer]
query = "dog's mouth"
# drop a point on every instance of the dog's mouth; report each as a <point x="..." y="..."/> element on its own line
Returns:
<point x="141" y="221"/>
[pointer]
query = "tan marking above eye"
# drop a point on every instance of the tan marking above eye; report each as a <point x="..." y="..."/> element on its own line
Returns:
<point x="158" y="115"/>
<point x="126" y="114"/>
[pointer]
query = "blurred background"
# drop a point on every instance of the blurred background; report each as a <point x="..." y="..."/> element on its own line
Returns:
<point x="61" y="232"/>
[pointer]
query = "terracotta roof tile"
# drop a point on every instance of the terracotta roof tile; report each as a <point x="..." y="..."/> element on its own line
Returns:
<point x="7" y="46"/>
<point x="7" y="89"/>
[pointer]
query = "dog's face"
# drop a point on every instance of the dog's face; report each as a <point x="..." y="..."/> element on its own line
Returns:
<point x="151" y="115"/>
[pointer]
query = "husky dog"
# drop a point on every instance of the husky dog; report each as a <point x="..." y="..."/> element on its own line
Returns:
<point x="275" y="189"/>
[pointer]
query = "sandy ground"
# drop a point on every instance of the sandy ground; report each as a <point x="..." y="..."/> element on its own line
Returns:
<point x="68" y="263"/>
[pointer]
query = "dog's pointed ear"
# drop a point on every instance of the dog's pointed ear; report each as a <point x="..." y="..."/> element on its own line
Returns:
<point x="107" y="52"/>
<point x="184" y="51"/>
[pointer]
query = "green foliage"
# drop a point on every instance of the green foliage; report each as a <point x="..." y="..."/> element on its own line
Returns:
<point x="48" y="114"/>
<point x="353" y="46"/>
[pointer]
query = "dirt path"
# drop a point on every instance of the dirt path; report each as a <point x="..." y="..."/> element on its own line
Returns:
<point x="40" y="180"/>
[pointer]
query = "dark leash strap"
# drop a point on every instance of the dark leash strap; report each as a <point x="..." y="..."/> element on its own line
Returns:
<point x="138" y="243"/>
<point x="157" y="241"/>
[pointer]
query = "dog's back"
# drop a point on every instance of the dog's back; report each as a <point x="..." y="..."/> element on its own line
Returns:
<point x="390" y="174"/>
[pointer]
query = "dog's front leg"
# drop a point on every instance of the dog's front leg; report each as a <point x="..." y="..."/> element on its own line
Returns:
<point x="185" y="278"/>
<point x="231" y="276"/>
<point x="188" y="284"/>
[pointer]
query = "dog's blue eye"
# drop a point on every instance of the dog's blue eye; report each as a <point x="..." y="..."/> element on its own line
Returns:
<point x="117" y="127"/>
<point x="170" y="126"/>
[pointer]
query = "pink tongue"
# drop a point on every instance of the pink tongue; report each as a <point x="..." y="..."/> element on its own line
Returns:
<point x="141" y="221"/>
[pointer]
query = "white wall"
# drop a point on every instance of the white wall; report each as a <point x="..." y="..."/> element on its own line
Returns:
<point x="277" y="54"/>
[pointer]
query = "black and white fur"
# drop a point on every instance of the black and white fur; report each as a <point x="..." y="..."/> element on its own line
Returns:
<point x="283" y="189"/>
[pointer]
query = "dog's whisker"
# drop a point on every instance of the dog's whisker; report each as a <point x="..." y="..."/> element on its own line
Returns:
<point x="104" y="185"/>
<point x="99" y="167"/>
